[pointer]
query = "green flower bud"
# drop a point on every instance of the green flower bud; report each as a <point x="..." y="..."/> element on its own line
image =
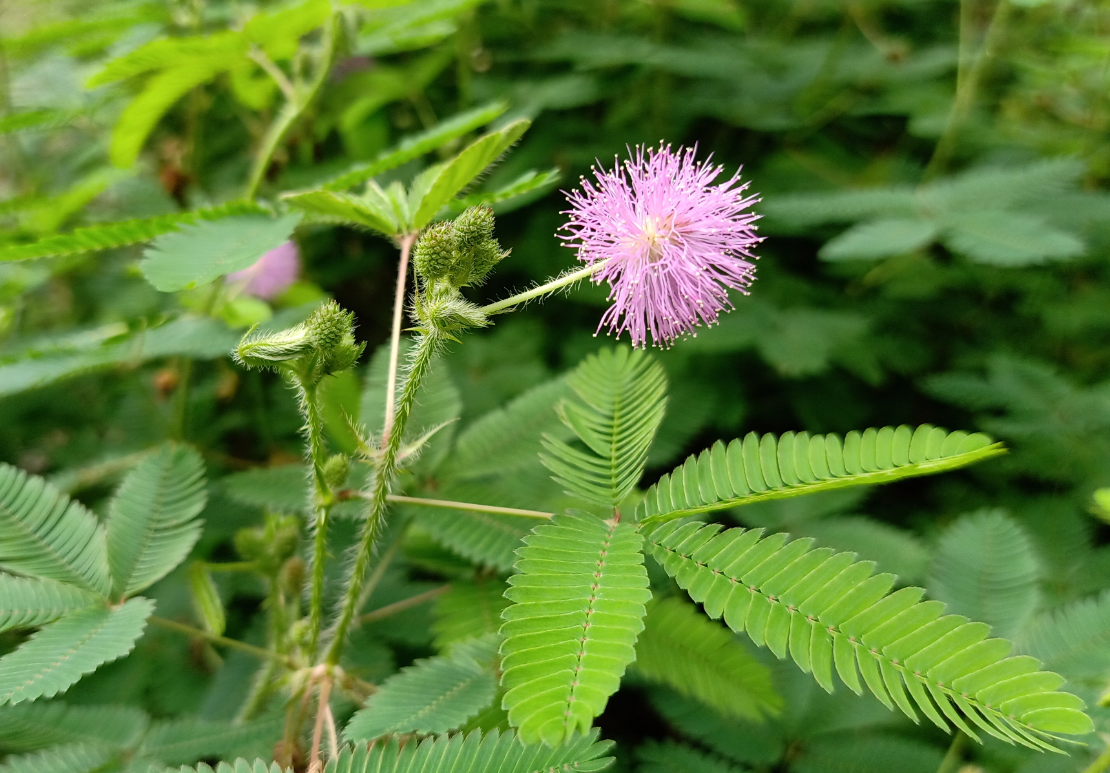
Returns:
<point x="435" y="255"/>
<point x="336" y="469"/>
<point x="274" y="350"/>
<point x="473" y="228"/>
<point x="486" y="256"/>
<point x="333" y="332"/>
<point x="445" y="310"/>
<point x="250" y="544"/>
<point x="291" y="576"/>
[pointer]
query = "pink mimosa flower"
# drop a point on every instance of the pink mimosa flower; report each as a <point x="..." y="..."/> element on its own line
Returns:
<point x="676" y="242"/>
<point x="271" y="274"/>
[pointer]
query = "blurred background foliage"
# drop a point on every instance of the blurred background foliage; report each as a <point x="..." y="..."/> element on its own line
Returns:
<point x="933" y="178"/>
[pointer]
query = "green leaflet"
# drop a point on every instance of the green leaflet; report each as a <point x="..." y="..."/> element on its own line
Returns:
<point x="671" y="757"/>
<point x="61" y="653"/>
<point x="239" y="766"/>
<point x="520" y="191"/>
<point x="31" y="602"/>
<point x="473" y="753"/>
<point x="187" y="740"/>
<point x="44" y="533"/>
<point x="623" y="395"/>
<point x="152" y="523"/>
<point x="198" y="253"/>
<point x="985" y="568"/>
<point x="757" y="469"/>
<point x="1074" y="640"/>
<point x="699" y="658"/>
<point x="417" y="145"/>
<point x="870" y="753"/>
<point x="578" y="606"/>
<point x="36" y="725"/>
<point x="366" y="211"/>
<point x="108" y="235"/>
<point x="827" y="610"/>
<point x="73" y="758"/>
<point x="432" y="696"/>
<point x="470" y="609"/>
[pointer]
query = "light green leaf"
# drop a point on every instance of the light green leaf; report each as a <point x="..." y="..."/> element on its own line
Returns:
<point x="168" y="53"/>
<point x="522" y="190"/>
<point x="472" y="608"/>
<point x="463" y="170"/>
<point x="578" y="607"/>
<point x="187" y="740"/>
<point x="892" y="549"/>
<point x="44" y="533"/>
<point x="238" y="766"/>
<point x="27" y="602"/>
<point x="1009" y="239"/>
<point x="152" y="522"/>
<point x="37" y="725"/>
<point x="30" y="119"/>
<point x="431" y="696"/>
<point x="869" y="754"/>
<point x="1074" y="640"/>
<point x="364" y="211"/>
<point x="880" y="239"/>
<point x="699" y="658"/>
<point x="58" y="655"/>
<point x="197" y="254"/>
<point x="71" y="758"/>
<point x="671" y="757"/>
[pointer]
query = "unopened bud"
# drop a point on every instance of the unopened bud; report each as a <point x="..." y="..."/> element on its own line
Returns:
<point x="336" y="469"/>
<point x="435" y="254"/>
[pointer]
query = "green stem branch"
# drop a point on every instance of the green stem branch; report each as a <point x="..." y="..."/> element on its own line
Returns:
<point x="557" y="283"/>
<point x="322" y="500"/>
<point x="470" y="506"/>
<point x="395" y="334"/>
<point x="400" y="606"/>
<point x="235" y="644"/>
<point x="426" y="346"/>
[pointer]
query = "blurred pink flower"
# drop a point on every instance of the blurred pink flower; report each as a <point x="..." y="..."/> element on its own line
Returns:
<point x="675" y="241"/>
<point x="271" y="274"/>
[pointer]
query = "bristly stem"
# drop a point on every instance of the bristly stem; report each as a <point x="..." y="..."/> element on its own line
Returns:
<point x="425" y="348"/>
<point x="471" y="506"/>
<point x="321" y="503"/>
<point x="395" y="334"/>
<point x="293" y="108"/>
<point x="557" y="283"/>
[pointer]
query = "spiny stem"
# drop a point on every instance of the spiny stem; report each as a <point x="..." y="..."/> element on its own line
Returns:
<point x="188" y="630"/>
<point x="293" y="108"/>
<point x="321" y="507"/>
<point x="314" y="765"/>
<point x="395" y="334"/>
<point x="472" y="507"/>
<point x="380" y="569"/>
<point x="557" y="283"/>
<point x="400" y="606"/>
<point x="426" y="346"/>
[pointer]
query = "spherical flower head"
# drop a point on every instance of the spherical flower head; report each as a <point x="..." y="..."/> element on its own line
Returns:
<point x="271" y="274"/>
<point x="674" y="241"/>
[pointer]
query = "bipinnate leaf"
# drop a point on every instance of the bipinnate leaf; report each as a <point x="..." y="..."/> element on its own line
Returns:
<point x="880" y="239"/>
<point x="44" y="533"/>
<point x="58" y="655"/>
<point x="1009" y="239"/>
<point x="37" y="725"/>
<point x="623" y="395"/>
<point x="578" y="606"/>
<point x="432" y="696"/>
<point x="703" y="660"/>
<point x="472" y="608"/>
<point x="828" y="611"/>
<point x="454" y="176"/>
<point x="152" y="522"/>
<point x="473" y="753"/>
<point x="29" y="602"/>
<point x="108" y="235"/>
<point x="69" y="758"/>
<point x="1074" y="639"/>
<point x="417" y="145"/>
<point x="984" y="567"/>
<point x="197" y="254"/>
<point x="756" y="469"/>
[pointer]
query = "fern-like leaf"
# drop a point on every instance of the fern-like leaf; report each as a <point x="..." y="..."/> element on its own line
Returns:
<point x="152" y="524"/>
<point x="473" y="753"/>
<point x="699" y="658"/>
<point x="58" y="655"/>
<point x="868" y="754"/>
<point x="30" y="602"/>
<point x="578" y="606"/>
<point x="108" y="235"/>
<point x="71" y="758"/>
<point x="432" y="696"/>
<point x="37" y="725"/>
<point x="1074" y="640"/>
<point x="757" y="469"/>
<point x="44" y="533"/>
<point x="187" y="740"/>
<point x="671" y="757"/>
<point x="238" y="766"/>
<point x="623" y="396"/>
<point x="826" y="610"/>
<point x="472" y="608"/>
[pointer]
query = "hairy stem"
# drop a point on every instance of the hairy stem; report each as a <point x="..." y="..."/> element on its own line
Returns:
<point x="472" y="507"/>
<point x="967" y="82"/>
<point x="395" y="334"/>
<point x="234" y="644"/>
<point x="322" y="500"/>
<point x="322" y="709"/>
<point x="379" y="570"/>
<point x="425" y="348"/>
<point x="304" y="95"/>
<point x="557" y="283"/>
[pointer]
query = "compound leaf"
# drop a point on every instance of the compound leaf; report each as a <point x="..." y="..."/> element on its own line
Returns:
<point x="70" y="758"/>
<point x="27" y="602"/>
<point x="472" y="608"/>
<point x="37" y="725"/>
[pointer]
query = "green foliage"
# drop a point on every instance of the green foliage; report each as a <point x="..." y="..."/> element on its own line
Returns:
<point x="578" y="604"/>
<point x="45" y="534"/>
<point x="31" y="726"/>
<point x="757" y="469"/>
<point x="196" y="254"/>
<point x="28" y="603"/>
<point x="58" y="655"/>
<point x="623" y="397"/>
<point x="152" y="524"/>
<point x="78" y="758"/>
<point x="671" y="757"/>
<point x="472" y="608"/>
<point x="432" y="696"/>
<point x="238" y="766"/>
<point x="474" y="753"/>
<point x="1073" y="639"/>
<point x="825" y="609"/>
<point x="698" y="658"/>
